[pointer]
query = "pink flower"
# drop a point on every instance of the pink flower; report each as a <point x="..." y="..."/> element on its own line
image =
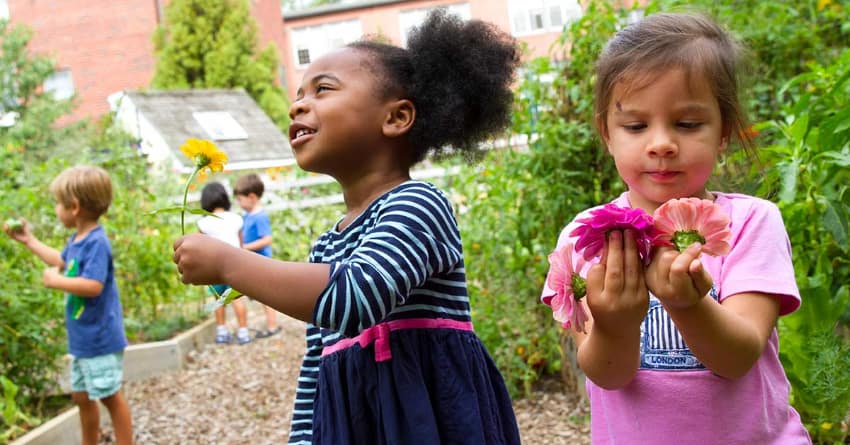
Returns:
<point x="684" y="221"/>
<point x="592" y="230"/>
<point x="569" y="288"/>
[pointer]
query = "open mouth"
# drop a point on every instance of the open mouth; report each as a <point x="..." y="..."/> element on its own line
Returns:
<point x="299" y="133"/>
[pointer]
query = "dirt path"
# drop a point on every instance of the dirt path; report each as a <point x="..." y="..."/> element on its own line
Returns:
<point x="233" y="395"/>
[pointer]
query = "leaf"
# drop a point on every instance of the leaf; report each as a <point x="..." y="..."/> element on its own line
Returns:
<point x="223" y="300"/>
<point x="835" y="221"/>
<point x="178" y="209"/>
<point x="789" y="172"/>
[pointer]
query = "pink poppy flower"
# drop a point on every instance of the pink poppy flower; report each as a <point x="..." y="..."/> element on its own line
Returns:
<point x="592" y="230"/>
<point x="684" y="221"/>
<point x="569" y="288"/>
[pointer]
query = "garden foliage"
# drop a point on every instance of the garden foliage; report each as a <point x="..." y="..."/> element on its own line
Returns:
<point x="32" y="152"/>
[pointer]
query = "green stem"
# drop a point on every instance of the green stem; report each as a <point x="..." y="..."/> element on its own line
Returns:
<point x="185" y="196"/>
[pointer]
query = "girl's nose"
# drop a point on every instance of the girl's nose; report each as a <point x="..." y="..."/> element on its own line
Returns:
<point x="662" y="145"/>
<point x="298" y="106"/>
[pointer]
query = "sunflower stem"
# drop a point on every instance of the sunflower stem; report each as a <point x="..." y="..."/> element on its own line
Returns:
<point x="185" y="197"/>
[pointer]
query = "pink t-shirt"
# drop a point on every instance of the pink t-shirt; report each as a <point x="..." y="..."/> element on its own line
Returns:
<point x="674" y="399"/>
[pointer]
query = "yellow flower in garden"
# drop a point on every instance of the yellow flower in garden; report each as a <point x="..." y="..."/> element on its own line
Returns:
<point x="205" y="154"/>
<point x="823" y="4"/>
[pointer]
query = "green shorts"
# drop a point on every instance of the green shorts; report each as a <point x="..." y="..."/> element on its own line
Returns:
<point x="98" y="376"/>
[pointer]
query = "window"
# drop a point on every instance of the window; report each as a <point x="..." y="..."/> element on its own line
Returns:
<point x="60" y="84"/>
<point x="539" y="16"/>
<point x="311" y="42"/>
<point x="303" y="56"/>
<point x="220" y="125"/>
<point x="4" y="9"/>
<point x="414" y="17"/>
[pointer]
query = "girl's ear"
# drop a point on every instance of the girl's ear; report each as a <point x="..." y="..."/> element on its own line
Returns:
<point x="724" y="138"/>
<point x="603" y="131"/>
<point x="399" y="119"/>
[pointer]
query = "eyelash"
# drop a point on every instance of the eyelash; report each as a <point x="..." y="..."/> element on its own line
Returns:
<point x="687" y="125"/>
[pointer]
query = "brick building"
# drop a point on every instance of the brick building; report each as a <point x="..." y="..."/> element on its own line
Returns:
<point x="105" y="46"/>
<point x="312" y="32"/>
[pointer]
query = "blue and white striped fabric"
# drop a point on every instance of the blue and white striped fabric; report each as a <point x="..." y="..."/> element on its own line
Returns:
<point x="401" y="258"/>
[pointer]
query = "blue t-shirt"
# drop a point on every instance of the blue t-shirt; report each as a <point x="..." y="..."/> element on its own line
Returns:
<point x="95" y="325"/>
<point x="256" y="226"/>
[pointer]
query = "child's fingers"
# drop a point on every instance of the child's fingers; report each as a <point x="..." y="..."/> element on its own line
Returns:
<point x="595" y="279"/>
<point x="633" y="276"/>
<point x="614" y="263"/>
<point x="682" y="263"/>
<point x="702" y="280"/>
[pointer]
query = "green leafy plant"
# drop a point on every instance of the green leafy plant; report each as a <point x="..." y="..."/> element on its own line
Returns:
<point x="808" y="175"/>
<point x="213" y="44"/>
<point x="513" y="205"/>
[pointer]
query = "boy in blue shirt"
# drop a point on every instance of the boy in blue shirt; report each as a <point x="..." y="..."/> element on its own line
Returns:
<point x="93" y="316"/>
<point x="256" y="232"/>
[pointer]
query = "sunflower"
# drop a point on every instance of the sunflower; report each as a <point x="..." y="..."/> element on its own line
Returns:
<point x="205" y="154"/>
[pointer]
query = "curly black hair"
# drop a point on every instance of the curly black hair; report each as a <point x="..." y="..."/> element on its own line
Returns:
<point x="458" y="75"/>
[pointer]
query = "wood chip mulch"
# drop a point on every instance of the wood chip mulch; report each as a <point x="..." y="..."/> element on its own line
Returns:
<point x="242" y="394"/>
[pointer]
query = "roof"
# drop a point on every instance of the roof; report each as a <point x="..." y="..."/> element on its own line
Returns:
<point x="337" y="7"/>
<point x="172" y="114"/>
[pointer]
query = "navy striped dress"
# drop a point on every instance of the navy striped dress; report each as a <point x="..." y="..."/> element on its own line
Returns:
<point x="399" y="264"/>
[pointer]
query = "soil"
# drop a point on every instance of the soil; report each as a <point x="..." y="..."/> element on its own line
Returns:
<point x="242" y="394"/>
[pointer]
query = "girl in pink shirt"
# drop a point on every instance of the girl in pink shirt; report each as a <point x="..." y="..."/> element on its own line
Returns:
<point x="667" y="361"/>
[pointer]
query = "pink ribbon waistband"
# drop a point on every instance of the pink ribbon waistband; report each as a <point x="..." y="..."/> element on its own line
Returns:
<point x="380" y="334"/>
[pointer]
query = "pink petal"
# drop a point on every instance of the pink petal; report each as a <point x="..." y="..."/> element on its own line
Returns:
<point x="701" y="215"/>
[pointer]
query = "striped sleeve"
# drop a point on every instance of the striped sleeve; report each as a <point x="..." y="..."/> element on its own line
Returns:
<point x="415" y="237"/>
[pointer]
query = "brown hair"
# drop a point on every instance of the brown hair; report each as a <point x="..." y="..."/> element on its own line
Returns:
<point x="248" y="184"/>
<point x="89" y="186"/>
<point x="691" y="42"/>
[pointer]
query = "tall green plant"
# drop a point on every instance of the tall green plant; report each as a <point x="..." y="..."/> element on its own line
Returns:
<point x="781" y="37"/>
<point x="513" y="206"/>
<point x="213" y="44"/>
<point x="809" y="172"/>
<point x="21" y="95"/>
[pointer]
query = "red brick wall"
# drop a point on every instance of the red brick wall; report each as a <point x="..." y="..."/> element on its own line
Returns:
<point x="105" y="43"/>
<point x="270" y="27"/>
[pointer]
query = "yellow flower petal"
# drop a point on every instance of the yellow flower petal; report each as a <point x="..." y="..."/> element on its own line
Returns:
<point x="204" y="154"/>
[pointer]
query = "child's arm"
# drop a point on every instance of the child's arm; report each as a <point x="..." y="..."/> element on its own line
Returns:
<point x="618" y="300"/>
<point x="258" y="244"/>
<point x="79" y="286"/>
<point x="47" y="254"/>
<point x="289" y="287"/>
<point x="726" y="337"/>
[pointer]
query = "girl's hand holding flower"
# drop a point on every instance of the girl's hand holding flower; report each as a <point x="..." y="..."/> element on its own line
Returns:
<point x="676" y="278"/>
<point x="199" y="258"/>
<point x="616" y="291"/>
<point x="687" y="227"/>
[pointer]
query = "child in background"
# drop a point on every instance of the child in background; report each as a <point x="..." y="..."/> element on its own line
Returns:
<point x="225" y="226"/>
<point x="684" y="350"/>
<point x="93" y="317"/>
<point x="391" y="353"/>
<point x="256" y="233"/>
